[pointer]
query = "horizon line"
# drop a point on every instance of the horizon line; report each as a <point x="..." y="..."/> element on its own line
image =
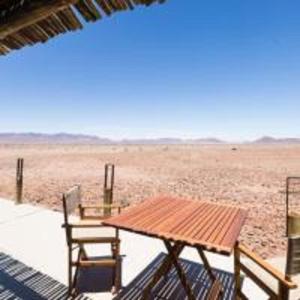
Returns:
<point x="174" y="138"/>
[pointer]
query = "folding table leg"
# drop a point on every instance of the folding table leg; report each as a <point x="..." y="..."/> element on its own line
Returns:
<point x="206" y="265"/>
<point x="180" y="271"/>
<point x="164" y="268"/>
<point x="208" y="269"/>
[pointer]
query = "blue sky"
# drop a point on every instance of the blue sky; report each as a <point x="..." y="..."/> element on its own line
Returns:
<point x="228" y="69"/>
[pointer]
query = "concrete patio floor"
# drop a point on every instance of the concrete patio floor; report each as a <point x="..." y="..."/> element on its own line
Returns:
<point x="33" y="236"/>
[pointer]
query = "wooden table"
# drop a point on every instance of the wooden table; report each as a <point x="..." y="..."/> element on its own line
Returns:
<point x="180" y="223"/>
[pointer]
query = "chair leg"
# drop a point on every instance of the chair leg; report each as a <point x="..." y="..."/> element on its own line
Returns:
<point x="74" y="284"/>
<point x="117" y="277"/>
<point x="283" y="292"/>
<point x="115" y="249"/>
<point x="116" y="274"/>
<point x="114" y="255"/>
<point x="70" y="271"/>
<point x="83" y="253"/>
<point x="74" y="280"/>
<point x="72" y="291"/>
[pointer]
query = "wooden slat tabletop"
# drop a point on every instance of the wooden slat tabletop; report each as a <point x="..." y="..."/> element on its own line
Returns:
<point x="211" y="226"/>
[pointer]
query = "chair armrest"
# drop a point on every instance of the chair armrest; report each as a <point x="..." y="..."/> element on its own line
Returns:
<point x="102" y="206"/>
<point x="267" y="267"/>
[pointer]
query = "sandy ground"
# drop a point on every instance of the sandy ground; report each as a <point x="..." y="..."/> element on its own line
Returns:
<point x="252" y="177"/>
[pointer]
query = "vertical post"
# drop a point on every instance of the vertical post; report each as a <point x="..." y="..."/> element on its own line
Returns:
<point x="19" y="180"/>
<point x="237" y="272"/>
<point x="109" y="180"/>
<point x="283" y="292"/>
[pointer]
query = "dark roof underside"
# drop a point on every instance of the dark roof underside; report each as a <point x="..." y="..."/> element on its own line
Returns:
<point x="27" y="22"/>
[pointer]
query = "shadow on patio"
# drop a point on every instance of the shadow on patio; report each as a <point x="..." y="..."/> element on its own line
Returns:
<point x="171" y="288"/>
<point x="18" y="281"/>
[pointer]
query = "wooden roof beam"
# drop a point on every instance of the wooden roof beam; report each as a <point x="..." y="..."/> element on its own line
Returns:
<point x="38" y="10"/>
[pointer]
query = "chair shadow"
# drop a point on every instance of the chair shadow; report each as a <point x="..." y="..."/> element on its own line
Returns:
<point x="18" y="281"/>
<point x="171" y="288"/>
<point x="95" y="279"/>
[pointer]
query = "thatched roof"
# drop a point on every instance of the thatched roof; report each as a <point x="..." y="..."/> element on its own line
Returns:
<point x="27" y="22"/>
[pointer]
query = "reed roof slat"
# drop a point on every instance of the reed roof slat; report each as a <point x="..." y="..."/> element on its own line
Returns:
<point x="105" y="6"/>
<point x="27" y="22"/>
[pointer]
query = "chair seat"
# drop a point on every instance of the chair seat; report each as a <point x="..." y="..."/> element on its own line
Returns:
<point x="93" y="232"/>
<point x="269" y="280"/>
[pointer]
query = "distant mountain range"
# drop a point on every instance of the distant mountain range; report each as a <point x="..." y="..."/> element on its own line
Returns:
<point x="170" y="141"/>
<point x="272" y="140"/>
<point x="59" y="138"/>
<point x="66" y="138"/>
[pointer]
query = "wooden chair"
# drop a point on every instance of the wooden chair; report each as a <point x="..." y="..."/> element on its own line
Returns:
<point x="276" y="284"/>
<point x="87" y="231"/>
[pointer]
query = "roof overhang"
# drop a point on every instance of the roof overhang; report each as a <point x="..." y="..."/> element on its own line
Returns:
<point x="27" y="22"/>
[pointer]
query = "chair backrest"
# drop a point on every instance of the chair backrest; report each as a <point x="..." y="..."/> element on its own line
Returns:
<point x="71" y="200"/>
<point x="293" y="256"/>
<point x="292" y="206"/>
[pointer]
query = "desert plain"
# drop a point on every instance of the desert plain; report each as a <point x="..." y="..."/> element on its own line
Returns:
<point x="249" y="176"/>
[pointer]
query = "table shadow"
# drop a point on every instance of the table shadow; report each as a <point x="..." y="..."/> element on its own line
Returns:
<point x="171" y="288"/>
